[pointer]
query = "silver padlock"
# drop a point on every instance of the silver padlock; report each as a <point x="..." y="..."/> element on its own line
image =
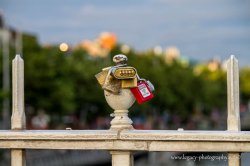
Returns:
<point x="151" y="86"/>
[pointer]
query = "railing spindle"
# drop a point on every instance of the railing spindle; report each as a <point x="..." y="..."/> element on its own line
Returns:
<point x="233" y="118"/>
<point x="18" y="116"/>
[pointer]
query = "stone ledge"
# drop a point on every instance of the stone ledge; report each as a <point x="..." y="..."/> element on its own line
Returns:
<point x="58" y="135"/>
<point x="197" y="135"/>
<point x="128" y="140"/>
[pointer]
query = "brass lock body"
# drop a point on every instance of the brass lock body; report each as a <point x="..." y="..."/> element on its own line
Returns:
<point x="124" y="73"/>
<point x="115" y="78"/>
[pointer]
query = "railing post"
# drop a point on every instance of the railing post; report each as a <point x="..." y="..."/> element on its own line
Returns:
<point x="233" y="117"/>
<point x="122" y="158"/>
<point x="18" y="115"/>
<point x="121" y="103"/>
<point x="120" y="98"/>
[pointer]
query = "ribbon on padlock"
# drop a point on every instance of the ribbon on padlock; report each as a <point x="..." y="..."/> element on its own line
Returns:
<point x="143" y="91"/>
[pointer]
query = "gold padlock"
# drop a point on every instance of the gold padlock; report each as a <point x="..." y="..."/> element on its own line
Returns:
<point x="129" y="83"/>
<point x="124" y="72"/>
<point x="107" y="81"/>
<point x="114" y="78"/>
<point x="112" y="85"/>
<point x="102" y="75"/>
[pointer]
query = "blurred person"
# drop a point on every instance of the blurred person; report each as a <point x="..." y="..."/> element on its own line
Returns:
<point x="40" y="121"/>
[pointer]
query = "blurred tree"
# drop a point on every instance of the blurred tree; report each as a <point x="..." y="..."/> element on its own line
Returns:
<point x="214" y="89"/>
<point x="245" y="83"/>
<point x="64" y="82"/>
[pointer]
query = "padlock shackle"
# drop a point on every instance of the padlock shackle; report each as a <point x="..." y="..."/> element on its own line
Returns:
<point x="151" y="86"/>
<point x="140" y="79"/>
<point x="117" y="66"/>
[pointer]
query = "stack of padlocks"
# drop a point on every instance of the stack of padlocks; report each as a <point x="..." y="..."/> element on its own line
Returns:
<point x="121" y="76"/>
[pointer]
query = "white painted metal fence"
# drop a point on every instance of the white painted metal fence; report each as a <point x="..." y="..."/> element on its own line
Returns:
<point x="122" y="143"/>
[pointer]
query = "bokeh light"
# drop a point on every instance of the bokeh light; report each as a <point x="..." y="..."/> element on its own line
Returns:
<point x="63" y="47"/>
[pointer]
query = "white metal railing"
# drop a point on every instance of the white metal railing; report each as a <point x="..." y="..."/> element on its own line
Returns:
<point x="122" y="143"/>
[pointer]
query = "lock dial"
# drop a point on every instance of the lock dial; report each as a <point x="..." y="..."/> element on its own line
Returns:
<point x="124" y="73"/>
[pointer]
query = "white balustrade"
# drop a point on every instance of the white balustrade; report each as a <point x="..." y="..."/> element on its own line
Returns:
<point x="122" y="140"/>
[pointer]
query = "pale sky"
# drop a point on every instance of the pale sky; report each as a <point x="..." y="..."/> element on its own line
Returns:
<point x="201" y="29"/>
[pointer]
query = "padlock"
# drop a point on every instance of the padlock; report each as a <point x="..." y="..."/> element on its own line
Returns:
<point x="142" y="92"/>
<point x="124" y="72"/>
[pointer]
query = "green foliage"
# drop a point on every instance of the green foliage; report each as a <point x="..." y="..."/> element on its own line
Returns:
<point x="245" y="83"/>
<point x="214" y="89"/>
<point x="63" y="83"/>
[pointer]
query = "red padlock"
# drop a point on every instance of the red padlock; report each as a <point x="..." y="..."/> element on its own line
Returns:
<point x="142" y="93"/>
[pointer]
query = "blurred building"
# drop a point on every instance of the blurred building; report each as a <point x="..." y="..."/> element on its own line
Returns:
<point x="9" y="36"/>
<point x="1" y="21"/>
<point x="101" y="46"/>
<point x="171" y="54"/>
<point x="214" y="64"/>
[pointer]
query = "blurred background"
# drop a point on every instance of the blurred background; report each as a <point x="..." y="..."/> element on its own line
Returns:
<point x="180" y="46"/>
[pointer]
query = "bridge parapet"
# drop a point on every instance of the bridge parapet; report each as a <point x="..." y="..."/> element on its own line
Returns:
<point x="123" y="142"/>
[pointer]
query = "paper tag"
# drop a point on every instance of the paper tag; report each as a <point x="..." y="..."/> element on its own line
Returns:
<point x="144" y="90"/>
